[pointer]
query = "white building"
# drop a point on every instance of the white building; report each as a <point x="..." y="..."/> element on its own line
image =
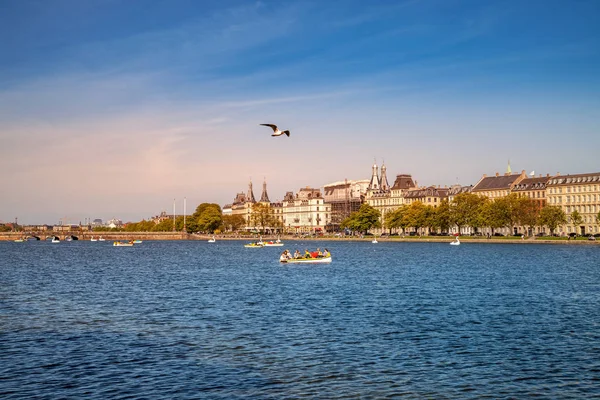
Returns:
<point x="305" y="212"/>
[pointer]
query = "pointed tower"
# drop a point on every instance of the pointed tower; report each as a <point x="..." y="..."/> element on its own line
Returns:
<point x="374" y="184"/>
<point x="508" y="170"/>
<point x="264" y="197"/>
<point x="383" y="182"/>
<point x="250" y="197"/>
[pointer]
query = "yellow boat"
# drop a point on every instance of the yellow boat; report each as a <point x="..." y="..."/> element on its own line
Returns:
<point x="255" y="245"/>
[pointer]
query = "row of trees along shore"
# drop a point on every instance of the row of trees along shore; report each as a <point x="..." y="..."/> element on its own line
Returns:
<point x="207" y="218"/>
<point x="465" y="210"/>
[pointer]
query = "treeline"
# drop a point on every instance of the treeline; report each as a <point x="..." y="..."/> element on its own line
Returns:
<point x="465" y="210"/>
<point x="207" y="218"/>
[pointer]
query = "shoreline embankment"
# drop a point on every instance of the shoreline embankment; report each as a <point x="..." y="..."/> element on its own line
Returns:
<point x="148" y="236"/>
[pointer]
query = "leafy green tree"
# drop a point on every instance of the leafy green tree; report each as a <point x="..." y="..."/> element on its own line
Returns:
<point x="393" y="219"/>
<point x="442" y="216"/>
<point x="203" y="207"/>
<point x="495" y="214"/>
<point x="210" y="219"/>
<point x="528" y="212"/>
<point x="362" y="220"/>
<point x="576" y="219"/>
<point x="233" y="222"/>
<point x="142" y="226"/>
<point x="552" y="217"/>
<point x="416" y="215"/>
<point x="465" y="210"/>
<point x="207" y="218"/>
<point x="263" y="216"/>
<point x="164" y="226"/>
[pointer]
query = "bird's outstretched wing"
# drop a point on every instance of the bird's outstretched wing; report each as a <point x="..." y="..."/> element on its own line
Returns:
<point x="274" y="127"/>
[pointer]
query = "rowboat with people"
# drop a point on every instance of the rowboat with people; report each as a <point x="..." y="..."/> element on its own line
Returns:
<point x="315" y="257"/>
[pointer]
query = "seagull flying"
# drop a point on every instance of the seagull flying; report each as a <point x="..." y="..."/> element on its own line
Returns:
<point x="276" y="131"/>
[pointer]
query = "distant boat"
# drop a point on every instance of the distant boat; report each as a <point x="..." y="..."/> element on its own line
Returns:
<point x="137" y="241"/>
<point x="101" y="239"/>
<point x="123" y="244"/>
<point x="456" y="242"/>
<point x="374" y="240"/>
<point x="212" y="240"/>
<point x="93" y="240"/>
<point x="19" y="240"/>
<point x="255" y="245"/>
<point x="273" y="244"/>
<point x="55" y="240"/>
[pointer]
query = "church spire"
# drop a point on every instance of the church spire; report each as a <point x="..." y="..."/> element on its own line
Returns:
<point x="264" y="197"/>
<point x="508" y="170"/>
<point x="383" y="182"/>
<point x="250" y="197"/>
<point x="374" y="184"/>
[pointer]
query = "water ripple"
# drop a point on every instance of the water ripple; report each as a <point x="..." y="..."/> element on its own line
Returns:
<point x="190" y="320"/>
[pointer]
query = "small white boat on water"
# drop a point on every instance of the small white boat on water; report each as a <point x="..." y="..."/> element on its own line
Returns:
<point x="19" y="240"/>
<point x="93" y="239"/>
<point x="318" y="260"/>
<point x="212" y="240"/>
<point x="137" y="241"/>
<point x="456" y="242"/>
<point x="273" y="244"/>
<point x="374" y="240"/>
<point x="258" y="245"/>
<point x="101" y="239"/>
<point x="55" y="240"/>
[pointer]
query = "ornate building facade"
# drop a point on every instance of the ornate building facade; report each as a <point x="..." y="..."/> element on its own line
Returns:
<point x="243" y="203"/>
<point x="579" y="193"/>
<point x="305" y="212"/>
<point x="384" y="198"/>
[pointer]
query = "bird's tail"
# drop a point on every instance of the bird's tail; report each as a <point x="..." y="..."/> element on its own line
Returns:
<point x="287" y="133"/>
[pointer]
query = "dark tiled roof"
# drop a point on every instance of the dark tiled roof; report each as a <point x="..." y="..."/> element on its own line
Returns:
<point x="496" y="182"/>
<point x="581" y="179"/>
<point x="426" y="192"/>
<point x="403" y="181"/>
<point x="457" y="189"/>
<point x="531" y="184"/>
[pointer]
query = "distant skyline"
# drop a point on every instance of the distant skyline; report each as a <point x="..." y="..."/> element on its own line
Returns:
<point x="113" y="108"/>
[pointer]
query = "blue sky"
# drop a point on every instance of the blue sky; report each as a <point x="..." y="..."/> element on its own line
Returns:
<point x="114" y="108"/>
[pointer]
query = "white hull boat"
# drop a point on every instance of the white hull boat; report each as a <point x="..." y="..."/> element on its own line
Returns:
<point x="318" y="260"/>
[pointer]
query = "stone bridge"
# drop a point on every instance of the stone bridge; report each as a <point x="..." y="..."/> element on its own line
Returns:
<point x="78" y="235"/>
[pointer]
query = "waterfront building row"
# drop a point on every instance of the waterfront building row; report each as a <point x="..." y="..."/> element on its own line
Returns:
<point x="302" y="212"/>
<point x="308" y="210"/>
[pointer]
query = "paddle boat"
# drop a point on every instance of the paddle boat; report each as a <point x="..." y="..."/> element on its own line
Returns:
<point x="93" y="239"/>
<point x="311" y="260"/>
<point x="374" y="240"/>
<point x="123" y="244"/>
<point x="55" y="240"/>
<point x="19" y="240"/>
<point x="273" y="244"/>
<point x="255" y="245"/>
<point x="101" y="239"/>
<point x="137" y="241"/>
<point x="456" y="242"/>
<point x="212" y="240"/>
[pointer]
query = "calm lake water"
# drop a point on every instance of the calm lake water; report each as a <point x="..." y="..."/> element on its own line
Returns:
<point x="202" y="321"/>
